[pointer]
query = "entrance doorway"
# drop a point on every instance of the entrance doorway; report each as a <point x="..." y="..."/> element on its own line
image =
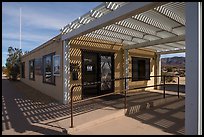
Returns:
<point x="97" y="66"/>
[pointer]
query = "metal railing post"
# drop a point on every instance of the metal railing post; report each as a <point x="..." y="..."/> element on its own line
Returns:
<point x="125" y="103"/>
<point x="72" y="125"/>
<point x="178" y="86"/>
<point x="125" y="98"/>
<point x="164" y="87"/>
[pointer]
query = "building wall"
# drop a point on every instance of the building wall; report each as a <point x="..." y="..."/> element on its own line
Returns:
<point x="144" y="54"/>
<point x="75" y="56"/>
<point x="54" y="91"/>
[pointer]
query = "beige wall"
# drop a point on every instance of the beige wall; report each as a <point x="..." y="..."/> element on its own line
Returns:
<point x="55" y="91"/>
<point x="145" y="54"/>
<point x="75" y="56"/>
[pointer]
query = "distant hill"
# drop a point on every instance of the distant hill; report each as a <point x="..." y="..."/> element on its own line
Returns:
<point x="173" y="62"/>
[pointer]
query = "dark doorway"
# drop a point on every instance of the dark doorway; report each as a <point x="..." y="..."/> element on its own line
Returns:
<point x="97" y="66"/>
<point x="141" y="69"/>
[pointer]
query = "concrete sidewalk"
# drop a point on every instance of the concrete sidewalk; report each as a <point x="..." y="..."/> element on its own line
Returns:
<point x="29" y="112"/>
<point x="22" y="109"/>
<point x="122" y="126"/>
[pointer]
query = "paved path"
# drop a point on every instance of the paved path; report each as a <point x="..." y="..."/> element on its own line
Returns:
<point x="29" y="112"/>
<point x="166" y="118"/>
<point x="15" y="120"/>
<point x="122" y="126"/>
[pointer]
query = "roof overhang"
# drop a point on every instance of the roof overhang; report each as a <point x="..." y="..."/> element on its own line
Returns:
<point x="153" y="25"/>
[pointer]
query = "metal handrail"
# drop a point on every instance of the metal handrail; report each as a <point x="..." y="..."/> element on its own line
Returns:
<point x="93" y="83"/>
<point x="125" y="97"/>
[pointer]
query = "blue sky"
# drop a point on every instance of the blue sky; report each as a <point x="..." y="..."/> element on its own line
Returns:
<point x="173" y="55"/>
<point x="40" y="21"/>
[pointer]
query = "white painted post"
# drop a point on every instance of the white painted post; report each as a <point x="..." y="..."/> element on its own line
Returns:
<point x="126" y="63"/>
<point x="126" y="68"/>
<point x="157" y="71"/>
<point x="200" y="71"/>
<point x="192" y="116"/>
<point x="159" y="68"/>
<point x="66" y="71"/>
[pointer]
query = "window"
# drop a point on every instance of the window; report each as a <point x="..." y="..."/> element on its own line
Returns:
<point x="140" y="69"/>
<point x="32" y="69"/>
<point x="56" y="65"/>
<point x="23" y="70"/>
<point x="48" y="76"/>
<point x="38" y="67"/>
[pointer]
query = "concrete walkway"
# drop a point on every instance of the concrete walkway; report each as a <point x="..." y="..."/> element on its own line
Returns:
<point x="122" y="126"/>
<point x="29" y="112"/>
<point x="20" y="108"/>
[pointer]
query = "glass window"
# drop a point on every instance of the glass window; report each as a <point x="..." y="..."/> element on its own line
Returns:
<point x="31" y="69"/>
<point x="140" y="69"/>
<point x="56" y="65"/>
<point x="106" y="73"/>
<point x="23" y="70"/>
<point x="48" y="76"/>
<point x="38" y="67"/>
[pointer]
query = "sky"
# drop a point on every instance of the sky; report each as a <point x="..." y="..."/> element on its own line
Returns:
<point x="40" y="21"/>
<point x="173" y="55"/>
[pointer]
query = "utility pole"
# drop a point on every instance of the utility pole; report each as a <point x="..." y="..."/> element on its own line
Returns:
<point x="20" y="28"/>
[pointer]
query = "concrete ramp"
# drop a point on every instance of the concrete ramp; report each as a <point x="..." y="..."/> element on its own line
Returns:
<point x="135" y="106"/>
<point x="114" y="108"/>
<point x="98" y="111"/>
<point x="94" y="118"/>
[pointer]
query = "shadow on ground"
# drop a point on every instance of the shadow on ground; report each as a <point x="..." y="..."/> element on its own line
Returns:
<point x="18" y="110"/>
<point x="174" y="87"/>
<point x="24" y="109"/>
<point x="169" y="117"/>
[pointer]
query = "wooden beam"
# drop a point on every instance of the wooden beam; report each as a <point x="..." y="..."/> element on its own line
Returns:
<point x="122" y="13"/>
<point x="172" y="51"/>
<point x="157" y="42"/>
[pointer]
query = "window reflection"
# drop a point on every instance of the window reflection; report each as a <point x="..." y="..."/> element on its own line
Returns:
<point x="106" y="72"/>
<point x="48" y="76"/>
<point x="31" y="70"/>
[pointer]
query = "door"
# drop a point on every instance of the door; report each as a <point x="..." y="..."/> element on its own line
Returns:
<point x="106" y="68"/>
<point x="89" y="74"/>
<point x="97" y="66"/>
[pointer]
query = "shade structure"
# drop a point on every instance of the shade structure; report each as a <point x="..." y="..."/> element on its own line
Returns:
<point x="158" y="26"/>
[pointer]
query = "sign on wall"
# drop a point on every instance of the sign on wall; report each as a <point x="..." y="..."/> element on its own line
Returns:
<point x="56" y="65"/>
<point x="89" y="68"/>
<point x="38" y="66"/>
